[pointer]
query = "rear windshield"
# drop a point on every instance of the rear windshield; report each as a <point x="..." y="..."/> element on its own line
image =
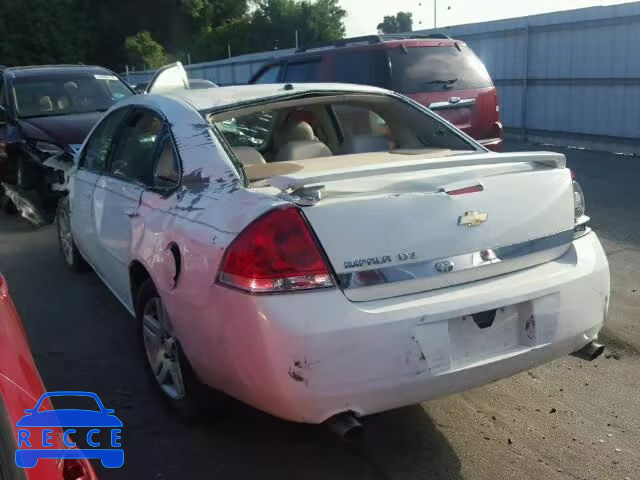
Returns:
<point x="432" y="69"/>
<point x="363" y="67"/>
<point x="69" y="93"/>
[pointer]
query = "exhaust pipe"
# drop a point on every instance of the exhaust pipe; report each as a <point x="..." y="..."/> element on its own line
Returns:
<point x="590" y="351"/>
<point x="345" y="426"/>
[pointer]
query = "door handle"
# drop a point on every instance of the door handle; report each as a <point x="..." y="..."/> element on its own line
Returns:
<point x="131" y="212"/>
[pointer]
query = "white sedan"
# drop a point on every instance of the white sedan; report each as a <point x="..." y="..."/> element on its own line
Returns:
<point x="326" y="251"/>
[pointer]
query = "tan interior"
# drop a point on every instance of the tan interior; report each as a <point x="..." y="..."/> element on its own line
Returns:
<point x="267" y="170"/>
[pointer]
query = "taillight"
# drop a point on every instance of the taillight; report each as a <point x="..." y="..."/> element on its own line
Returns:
<point x="77" y="469"/>
<point x="579" y="209"/>
<point x="579" y="204"/>
<point x="276" y="253"/>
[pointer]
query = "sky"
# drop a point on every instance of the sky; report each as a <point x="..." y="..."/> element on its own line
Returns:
<point x="364" y="15"/>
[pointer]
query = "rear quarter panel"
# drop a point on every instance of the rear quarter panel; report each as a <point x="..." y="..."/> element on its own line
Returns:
<point x="201" y="228"/>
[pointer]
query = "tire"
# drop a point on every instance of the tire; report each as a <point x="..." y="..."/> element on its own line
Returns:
<point x="70" y="254"/>
<point x="172" y="376"/>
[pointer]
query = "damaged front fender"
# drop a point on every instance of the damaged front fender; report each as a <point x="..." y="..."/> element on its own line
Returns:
<point x="64" y="167"/>
<point x="36" y="191"/>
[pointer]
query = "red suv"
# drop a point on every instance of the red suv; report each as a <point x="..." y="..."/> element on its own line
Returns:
<point x="436" y="71"/>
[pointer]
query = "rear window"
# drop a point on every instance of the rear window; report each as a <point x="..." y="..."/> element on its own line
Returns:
<point x="362" y="67"/>
<point x="432" y="69"/>
<point x="251" y="130"/>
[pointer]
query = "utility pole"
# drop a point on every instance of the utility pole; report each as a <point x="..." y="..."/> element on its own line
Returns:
<point x="229" y="50"/>
<point x="296" y="38"/>
<point x="435" y="13"/>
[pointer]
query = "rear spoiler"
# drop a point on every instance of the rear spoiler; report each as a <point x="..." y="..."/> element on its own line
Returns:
<point x="301" y="178"/>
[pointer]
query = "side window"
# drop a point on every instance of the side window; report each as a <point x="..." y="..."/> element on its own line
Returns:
<point x="167" y="171"/>
<point x="270" y="75"/>
<point x="251" y="130"/>
<point x="360" y="121"/>
<point x="98" y="146"/>
<point x="364" y="67"/>
<point x="135" y="151"/>
<point x="303" y="72"/>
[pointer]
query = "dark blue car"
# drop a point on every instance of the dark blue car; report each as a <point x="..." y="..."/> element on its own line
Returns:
<point x="70" y="418"/>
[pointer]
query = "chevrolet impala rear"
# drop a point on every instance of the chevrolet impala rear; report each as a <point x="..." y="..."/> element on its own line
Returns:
<point x="392" y="273"/>
<point x="327" y="252"/>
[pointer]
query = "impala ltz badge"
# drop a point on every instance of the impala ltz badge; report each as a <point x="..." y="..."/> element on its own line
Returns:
<point x="473" y="219"/>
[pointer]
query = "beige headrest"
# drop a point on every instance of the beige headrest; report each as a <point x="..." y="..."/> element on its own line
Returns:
<point x="294" y="131"/>
<point x="248" y="156"/>
<point x="46" y="105"/>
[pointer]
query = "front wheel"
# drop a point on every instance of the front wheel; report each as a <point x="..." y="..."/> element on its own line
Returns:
<point x="70" y="253"/>
<point x="166" y="363"/>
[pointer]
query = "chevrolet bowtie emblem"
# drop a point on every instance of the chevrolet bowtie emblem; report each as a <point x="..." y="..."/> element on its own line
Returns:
<point x="473" y="219"/>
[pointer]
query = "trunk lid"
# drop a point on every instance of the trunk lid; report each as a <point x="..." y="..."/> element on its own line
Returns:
<point x="397" y="228"/>
<point x="169" y="78"/>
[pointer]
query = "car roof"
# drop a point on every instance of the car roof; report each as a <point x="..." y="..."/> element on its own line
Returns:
<point x="366" y="43"/>
<point x="221" y="97"/>
<point x="37" y="70"/>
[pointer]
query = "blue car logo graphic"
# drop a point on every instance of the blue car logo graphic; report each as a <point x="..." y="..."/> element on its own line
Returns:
<point x="68" y="419"/>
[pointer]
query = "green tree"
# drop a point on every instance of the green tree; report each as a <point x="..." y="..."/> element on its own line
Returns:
<point x="405" y="21"/>
<point x="41" y="32"/>
<point x="144" y="51"/>
<point x="401" y="22"/>
<point x="273" y="24"/>
<point x="111" y="32"/>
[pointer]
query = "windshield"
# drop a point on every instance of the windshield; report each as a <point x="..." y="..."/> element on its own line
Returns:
<point x="67" y="94"/>
<point x="433" y="69"/>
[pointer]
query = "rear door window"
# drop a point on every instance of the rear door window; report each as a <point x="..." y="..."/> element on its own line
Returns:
<point x="303" y="72"/>
<point x="362" y="67"/>
<point x="134" y="154"/>
<point x="270" y="75"/>
<point x="167" y="170"/>
<point x="433" y="69"/>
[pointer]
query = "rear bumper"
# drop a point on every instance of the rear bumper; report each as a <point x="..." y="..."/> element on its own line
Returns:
<point x="308" y="356"/>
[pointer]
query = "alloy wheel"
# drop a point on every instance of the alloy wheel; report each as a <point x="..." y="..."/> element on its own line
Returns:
<point x="161" y="348"/>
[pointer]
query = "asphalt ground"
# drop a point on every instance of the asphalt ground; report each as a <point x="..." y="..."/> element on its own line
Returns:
<point x="566" y="419"/>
